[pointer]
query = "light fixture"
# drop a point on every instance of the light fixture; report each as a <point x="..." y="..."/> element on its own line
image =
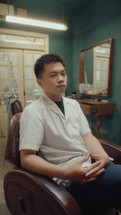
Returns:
<point x="38" y="23"/>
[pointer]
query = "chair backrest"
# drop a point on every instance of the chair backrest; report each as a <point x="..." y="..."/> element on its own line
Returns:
<point x="12" y="153"/>
<point x="16" y="107"/>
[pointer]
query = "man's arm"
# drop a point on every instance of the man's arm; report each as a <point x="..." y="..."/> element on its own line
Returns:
<point x="95" y="148"/>
<point x="34" y="163"/>
<point x="74" y="171"/>
<point x="96" y="152"/>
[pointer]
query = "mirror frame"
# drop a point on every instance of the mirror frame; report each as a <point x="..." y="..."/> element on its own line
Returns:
<point x="81" y="68"/>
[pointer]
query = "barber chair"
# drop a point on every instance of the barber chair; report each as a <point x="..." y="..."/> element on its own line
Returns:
<point x="27" y="193"/>
<point x="13" y="107"/>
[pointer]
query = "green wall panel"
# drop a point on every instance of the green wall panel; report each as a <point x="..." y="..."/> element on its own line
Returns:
<point x="100" y="22"/>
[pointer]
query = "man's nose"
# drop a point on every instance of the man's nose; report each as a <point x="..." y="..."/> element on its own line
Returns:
<point x="60" y="78"/>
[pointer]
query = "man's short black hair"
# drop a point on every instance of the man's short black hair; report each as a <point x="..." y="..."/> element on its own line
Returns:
<point x="46" y="59"/>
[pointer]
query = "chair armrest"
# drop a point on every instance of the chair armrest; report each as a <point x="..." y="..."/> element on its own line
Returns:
<point x="113" y="150"/>
<point x="54" y="196"/>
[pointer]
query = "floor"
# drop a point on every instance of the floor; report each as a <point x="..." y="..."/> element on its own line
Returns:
<point x="4" y="167"/>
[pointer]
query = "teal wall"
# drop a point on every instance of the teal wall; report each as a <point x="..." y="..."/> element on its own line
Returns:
<point x="59" y="42"/>
<point x="101" y="21"/>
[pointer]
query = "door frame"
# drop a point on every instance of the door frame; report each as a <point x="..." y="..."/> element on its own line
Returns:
<point x="6" y="33"/>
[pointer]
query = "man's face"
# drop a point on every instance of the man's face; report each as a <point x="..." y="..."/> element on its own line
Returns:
<point x="53" y="80"/>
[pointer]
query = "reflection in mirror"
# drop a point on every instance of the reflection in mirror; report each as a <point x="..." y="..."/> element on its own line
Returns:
<point x="95" y="73"/>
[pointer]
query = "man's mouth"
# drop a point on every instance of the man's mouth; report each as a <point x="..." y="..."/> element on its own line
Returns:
<point x="61" y="86"/>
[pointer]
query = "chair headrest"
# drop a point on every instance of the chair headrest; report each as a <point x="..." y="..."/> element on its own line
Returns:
<point x="12" y="153"/>
<point x="16" y="107"/>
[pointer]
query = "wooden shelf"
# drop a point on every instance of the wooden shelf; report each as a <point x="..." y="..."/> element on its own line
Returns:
<point x="98" y="108"/>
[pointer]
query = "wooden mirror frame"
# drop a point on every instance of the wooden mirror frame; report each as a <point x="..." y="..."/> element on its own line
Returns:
<point x="81" y="68"/>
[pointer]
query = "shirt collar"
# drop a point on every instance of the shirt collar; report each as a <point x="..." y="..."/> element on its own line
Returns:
<point x="47" y="99"/>
<point x="52" y="104"/>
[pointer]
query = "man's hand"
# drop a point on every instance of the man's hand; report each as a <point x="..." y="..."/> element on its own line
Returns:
<point x="104" y="161"/>
<point x="98" y="154"/>
<point x="75" y="171"/>
<point x="103" y="158"/>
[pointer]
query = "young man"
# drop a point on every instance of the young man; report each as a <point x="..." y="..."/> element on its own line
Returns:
<point x="57" y="127"/>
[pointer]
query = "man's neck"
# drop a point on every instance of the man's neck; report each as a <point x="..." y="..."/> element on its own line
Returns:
<point x="55" y="98"/>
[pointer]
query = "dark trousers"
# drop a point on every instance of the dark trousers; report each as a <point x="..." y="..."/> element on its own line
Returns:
<point x="100" y="195"/>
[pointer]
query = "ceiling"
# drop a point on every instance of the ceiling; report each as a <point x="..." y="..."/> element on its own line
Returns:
<point x="69" y="8"/>
<point x="74" y="6"/>
<point x="73" y="2"/>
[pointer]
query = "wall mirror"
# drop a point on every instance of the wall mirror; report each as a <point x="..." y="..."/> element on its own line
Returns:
<point x="95" y="72"/>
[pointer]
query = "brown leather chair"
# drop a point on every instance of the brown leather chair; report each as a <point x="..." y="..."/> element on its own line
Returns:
<point x="27" y="193"/>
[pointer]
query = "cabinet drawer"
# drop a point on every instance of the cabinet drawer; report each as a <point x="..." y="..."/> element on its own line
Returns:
<point x="88" y="109"/>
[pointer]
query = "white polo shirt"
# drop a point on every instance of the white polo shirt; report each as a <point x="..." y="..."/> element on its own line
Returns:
<point x="59" y="137"/>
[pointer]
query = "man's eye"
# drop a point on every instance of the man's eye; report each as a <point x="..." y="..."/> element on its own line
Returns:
<point x="53" y="75"/>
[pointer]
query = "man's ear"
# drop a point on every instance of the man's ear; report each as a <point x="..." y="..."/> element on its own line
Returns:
<point x="40" y="83"/>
